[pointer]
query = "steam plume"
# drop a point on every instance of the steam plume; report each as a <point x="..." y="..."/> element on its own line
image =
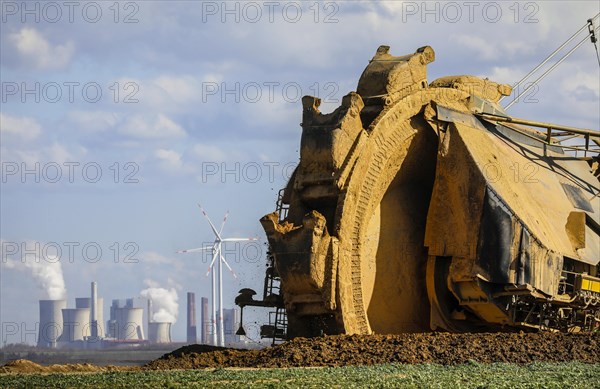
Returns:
<point x="164" y="303"/>
<point x="46" y="271"/>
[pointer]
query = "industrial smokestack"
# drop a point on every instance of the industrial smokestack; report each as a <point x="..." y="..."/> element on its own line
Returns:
<point x="205" y="320"/>
<point x="191" y="318"/>
<point x="150" y="311"/>
<point x="93" y="310"/>
<point x="51" y="322"/>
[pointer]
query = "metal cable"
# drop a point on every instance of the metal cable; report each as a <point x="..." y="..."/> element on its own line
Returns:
<point x="551" y="55"/>
<point x="593" y="37"/>
<point x="549" y="70"/>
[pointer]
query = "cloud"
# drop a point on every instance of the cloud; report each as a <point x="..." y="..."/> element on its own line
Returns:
<point x="581" y="84"/>
<point x="516" y="48"/>
<point x="152" y="257"/>
<point x="171" y="93"/>
<point x="19" y="128"/>
<point x="173" y="162"/>
<point x="38" y="52"/>
<point x="154" y="260"/>
<point x="178" y="89"/>
<point x="54" y="152"/>
<point x="92" y="121"/>
<point x="504" y="74"/>
<point x="170" y="159"/>
<point x="157" y="127"/>
<point x="59" y="153"/>
<point x="482" y="48"/>
<point x="209" y="152"/>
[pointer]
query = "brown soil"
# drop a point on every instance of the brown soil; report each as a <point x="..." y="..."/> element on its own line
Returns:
<point x="342" y="350"/>
<point x="440" y="348"/>
<point x="25" y="366"/>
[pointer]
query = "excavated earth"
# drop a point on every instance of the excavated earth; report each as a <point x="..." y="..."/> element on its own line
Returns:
<point x="25" y="366"/>
<point x="440" y="348"/>
<point x="342" y="350"/>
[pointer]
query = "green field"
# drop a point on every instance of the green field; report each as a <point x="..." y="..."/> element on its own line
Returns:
<point x="472" y="375"/>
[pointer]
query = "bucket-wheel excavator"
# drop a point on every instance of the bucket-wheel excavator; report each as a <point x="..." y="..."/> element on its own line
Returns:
<point x="420" y="206"/>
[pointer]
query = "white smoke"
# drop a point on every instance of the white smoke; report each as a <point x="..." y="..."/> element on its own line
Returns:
<point x="45" y="270"/>
<point x="164" y="303"/>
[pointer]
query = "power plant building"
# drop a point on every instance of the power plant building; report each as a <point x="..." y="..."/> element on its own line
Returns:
<point x="126" y="322"/>
<point x="68" y="327"/>
<point x="231" y="323"/>
<point x="84" y="325"/>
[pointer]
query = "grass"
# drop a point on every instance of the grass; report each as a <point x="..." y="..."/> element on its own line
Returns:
<point x="471" y="375"/>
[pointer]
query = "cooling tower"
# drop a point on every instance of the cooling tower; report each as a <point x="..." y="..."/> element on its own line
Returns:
<point x="129" y="323"/>
<point x="51" y="322"/>
<point x="191" y="318"/>
<point x="159" y="332"/>
<point x="85" y="302"/>
<point x="76" y="324"/>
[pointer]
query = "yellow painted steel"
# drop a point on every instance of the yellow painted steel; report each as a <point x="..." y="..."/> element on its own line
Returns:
<point x="590" y="285"/>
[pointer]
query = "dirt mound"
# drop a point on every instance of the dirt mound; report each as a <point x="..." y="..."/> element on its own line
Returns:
<point x="440" y="348"/>
<point x="25" y="366"/>
<point x="21" y="366"/>
<point x="195" y="348"/>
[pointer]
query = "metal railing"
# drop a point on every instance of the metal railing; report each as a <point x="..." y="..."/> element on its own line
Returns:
<point x="556" y="134"/>
<point x="280" y="207"/>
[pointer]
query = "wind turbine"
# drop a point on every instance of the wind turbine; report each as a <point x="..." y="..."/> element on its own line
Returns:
<point x="217" y="253"/>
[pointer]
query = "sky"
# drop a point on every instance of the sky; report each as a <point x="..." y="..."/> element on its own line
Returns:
<point x="118" y="118"/>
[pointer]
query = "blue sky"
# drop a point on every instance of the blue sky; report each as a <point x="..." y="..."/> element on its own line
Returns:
<point x="146" y="108"/>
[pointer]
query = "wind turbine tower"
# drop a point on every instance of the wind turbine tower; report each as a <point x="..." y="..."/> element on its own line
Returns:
<point x="217" y="254"/>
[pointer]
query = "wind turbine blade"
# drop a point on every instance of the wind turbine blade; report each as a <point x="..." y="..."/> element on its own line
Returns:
<point x="186" y="251"/>
<point x="229" y="267"/>
<point x="224" y="221"/>
<point x="212" y="226"/>
<point x="217" y="251"/>
<point x="238" y="239"/>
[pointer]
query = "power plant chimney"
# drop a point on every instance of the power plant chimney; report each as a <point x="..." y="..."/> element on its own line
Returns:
<point x="93" y="310"/>
<point x="150" y="313"/>
<point x="191" y="318"/>
<point x="205" y="320"/>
